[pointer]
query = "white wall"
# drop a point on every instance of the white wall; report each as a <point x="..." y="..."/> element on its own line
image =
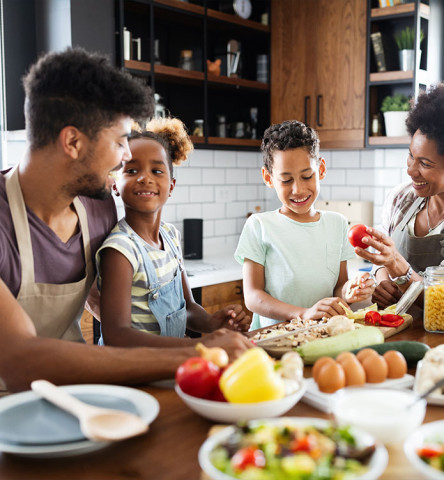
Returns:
<point x="222" y="187"/>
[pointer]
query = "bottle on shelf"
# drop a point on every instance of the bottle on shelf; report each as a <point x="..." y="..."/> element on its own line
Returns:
<point x="221" y="127"/>
<point x="198" y="129"/>
<point x="186" y="61"/>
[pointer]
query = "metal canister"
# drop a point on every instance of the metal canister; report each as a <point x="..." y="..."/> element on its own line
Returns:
<point x="434" y="299"/>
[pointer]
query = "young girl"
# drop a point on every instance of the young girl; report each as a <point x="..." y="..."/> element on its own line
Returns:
<point x="295" y="258"/>
<point x="145" y="296"/>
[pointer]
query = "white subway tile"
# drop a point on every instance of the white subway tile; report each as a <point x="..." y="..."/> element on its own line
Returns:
<point x="247" y="159"/>
<point x="379" y="158"/>
<point x="255" y="176"/>
<point x="201" y="193"/>
<point x="227" y="193"/>
<point x="180" y="194"/>
<point x="240" y="222"/>
<point x="225" y="227"/>
<point x="272" y="204"/>
<point x="236" y="209"/>
<point x="213" y="245"/>
<point x="213" y="210"/>
<point x="360" y="176"/>
<point x="388" y="177"/>
<point x="256" y="206"/>
<point x="396" y="158"/>
<point x="189" y="176"/>
<point x="201" y="158"/>
<point x="189" y="210"/>
<point x="14" y="153"/>
<point x="246" y="192"/>
<point x="344" y="159"/>
<point x="231" y="242"/>
<point x="404" y="176"/>
<point x="236" y="176"/>
<point x="367" y="158"/>
<point x="334" y="177"/>
<point x="324" y="192"/>
<point x="326" y="154"/>
<point x="169" y="213"/>
<point x="208" y="228"/>
<point x="213" y="176"/>
<point x="345" y="193"/>
<point x="224" y="159"/>
<point x="377" y="215"/>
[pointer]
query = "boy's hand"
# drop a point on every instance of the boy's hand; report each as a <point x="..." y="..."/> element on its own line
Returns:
<point x="359" y="288"/>
<point x="327" y="307"/>
<point x="232" y="317"/>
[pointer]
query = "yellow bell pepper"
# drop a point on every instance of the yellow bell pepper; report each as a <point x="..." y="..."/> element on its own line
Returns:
<point x="251" y="378"/>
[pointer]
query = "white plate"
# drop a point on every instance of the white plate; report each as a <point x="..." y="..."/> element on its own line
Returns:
<point x="433" y="398"/>
<point x="377" y="464"/>
<point x="322" y="401"/>
<point x="427" y="432"/>
<point x="145" y="404"/>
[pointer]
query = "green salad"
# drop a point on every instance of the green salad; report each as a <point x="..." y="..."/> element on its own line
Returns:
<point x="285" y="450"/>
<point x="432" y="453"/>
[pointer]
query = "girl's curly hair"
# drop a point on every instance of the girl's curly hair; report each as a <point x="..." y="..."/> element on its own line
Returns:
<point x="172" y="134"/>
<point x="427" y="116"/>
<point x="287" y="136"/>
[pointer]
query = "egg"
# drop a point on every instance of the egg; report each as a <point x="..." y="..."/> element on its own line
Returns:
<point x="331" y="377"/>
<point x="376" y="368"/>
<point x="344" y="355"/>
<point x="354" y="371"/>
<point x="364" y="353"/>
<point x="396" y="362"/>
<point x="318" y="364"/>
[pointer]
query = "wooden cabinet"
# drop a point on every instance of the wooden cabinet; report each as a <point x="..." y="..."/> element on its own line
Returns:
<point x="318" y="67"/>
<point x="389" y="21"/>
<point x="161" y="30"/>
<point x="215" y="297"/>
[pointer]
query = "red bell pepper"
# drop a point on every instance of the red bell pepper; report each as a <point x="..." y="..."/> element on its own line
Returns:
<point x="391" y="320"/>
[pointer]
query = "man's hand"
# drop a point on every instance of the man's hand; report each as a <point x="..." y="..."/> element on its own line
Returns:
<point x="232" y="317"/>
<point x="386" y="293"/>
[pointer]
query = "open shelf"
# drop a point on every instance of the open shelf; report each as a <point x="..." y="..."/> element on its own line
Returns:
<point x="388" y="141"/>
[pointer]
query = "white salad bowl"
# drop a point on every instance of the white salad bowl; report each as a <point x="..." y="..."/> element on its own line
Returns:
<point x="376" y="465"/>
<point x="226" y="412"/>
<point x="427" y="433"/>
<point x="382" y="412"/>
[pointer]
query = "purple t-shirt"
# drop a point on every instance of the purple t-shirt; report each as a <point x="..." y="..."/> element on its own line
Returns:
<point x="54" y="261"/>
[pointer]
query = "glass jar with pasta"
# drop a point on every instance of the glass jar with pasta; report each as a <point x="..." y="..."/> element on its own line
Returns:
<point x="434" y="299"/>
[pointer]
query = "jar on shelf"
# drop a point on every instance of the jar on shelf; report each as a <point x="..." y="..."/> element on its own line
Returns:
<point x="198" y="128"/>
<point x="186" y="61"/>
<point x="221" y="126"/>
<point x="434" y="299"/>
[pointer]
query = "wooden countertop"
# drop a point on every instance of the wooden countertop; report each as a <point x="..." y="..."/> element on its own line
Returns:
<point x="169" y="450"/>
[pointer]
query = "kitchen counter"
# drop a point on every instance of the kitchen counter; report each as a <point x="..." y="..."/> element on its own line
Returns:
<point x="224" y="268"/>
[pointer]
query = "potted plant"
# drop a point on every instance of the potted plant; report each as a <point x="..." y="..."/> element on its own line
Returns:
<point x="395" y="109"/>
<point x="405" y="39"/>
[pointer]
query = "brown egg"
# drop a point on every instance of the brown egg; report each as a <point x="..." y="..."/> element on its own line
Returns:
<point x="397" y="365"/>
<point x="376" y="368"/>
<point x="318" y="364"/>
<point x="345" y="355"/>
<point x="364" y="353"/>
<point x="331" y="377"/>
<point x="354" y="371"/>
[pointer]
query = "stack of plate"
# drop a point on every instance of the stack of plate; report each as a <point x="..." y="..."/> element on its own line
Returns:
<point x="33" y="427"/>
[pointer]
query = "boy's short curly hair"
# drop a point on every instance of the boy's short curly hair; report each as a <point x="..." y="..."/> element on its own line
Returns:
<point x="82" y="89"/>
<point x="287" y="136"/>
<point x="428" y="116"/>
<point x="172" y="134"/>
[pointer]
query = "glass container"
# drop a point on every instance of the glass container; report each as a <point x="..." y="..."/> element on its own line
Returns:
<point x="198" y="129"/>
<point x="186" y="61"/>
<point x="434" y="299"/>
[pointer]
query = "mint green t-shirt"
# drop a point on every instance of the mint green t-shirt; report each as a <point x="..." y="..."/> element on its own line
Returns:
<point x="301" y="260"/>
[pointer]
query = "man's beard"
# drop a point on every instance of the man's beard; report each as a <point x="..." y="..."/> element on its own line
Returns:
<point x="87" y="187"/>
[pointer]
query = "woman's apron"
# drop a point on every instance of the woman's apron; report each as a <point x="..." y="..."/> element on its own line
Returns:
<point x="54" y="309"/>
<point x="420" y="252"/>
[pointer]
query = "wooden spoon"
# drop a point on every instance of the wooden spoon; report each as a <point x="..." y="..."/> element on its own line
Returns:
<point x="96" y="423"/>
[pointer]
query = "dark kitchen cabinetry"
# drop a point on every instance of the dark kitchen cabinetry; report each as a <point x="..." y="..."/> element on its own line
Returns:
<point x="389" y="21"/>
<point x="171" y="42"/>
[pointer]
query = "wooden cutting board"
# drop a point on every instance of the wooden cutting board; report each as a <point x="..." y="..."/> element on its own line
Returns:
<point x="280" y="346"/>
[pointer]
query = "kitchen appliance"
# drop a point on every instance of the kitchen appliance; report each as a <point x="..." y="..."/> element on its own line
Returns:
<point x="192" y="238"/>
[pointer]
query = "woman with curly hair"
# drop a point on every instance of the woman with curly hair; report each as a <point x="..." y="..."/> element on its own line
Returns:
<point x="295" y="258"/>
<point x="145" y="297"/>
<point x="413" y="216"/>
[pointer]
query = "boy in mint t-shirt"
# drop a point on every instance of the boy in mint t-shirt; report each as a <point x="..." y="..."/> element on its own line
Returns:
<point x="295" y="258"/>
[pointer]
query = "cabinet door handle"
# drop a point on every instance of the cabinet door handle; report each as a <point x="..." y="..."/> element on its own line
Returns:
<point x="318" y="110"/>
<point x="306" y="106"/>
<point x="239" y="290"/>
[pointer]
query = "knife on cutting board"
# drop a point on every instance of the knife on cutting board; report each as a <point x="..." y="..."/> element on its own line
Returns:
<point x="289" y="334"/>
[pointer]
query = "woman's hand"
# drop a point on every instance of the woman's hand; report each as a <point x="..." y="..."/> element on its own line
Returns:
<point x="327" y="307"/>
<point x="359" y="288"/>
<point x="232" y="317"/>
<point x="386" y="293"/>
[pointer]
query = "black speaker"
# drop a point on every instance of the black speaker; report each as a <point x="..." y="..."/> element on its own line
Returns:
<point x="192" y="238"/>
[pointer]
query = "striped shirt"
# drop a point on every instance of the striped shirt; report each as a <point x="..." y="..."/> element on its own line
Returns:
<point x="164" y="263"/>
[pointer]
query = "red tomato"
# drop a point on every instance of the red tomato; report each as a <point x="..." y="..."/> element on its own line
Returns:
<point x="356" y="234"/>
<point x="198" y="377"/>
<point x="248" y="456"/>
<point x="373" y="318"/>
<point x="217" y="395"/>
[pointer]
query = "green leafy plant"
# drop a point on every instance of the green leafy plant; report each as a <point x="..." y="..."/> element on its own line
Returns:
<point x="396" y="103"/>
<point x="405" y="39"/>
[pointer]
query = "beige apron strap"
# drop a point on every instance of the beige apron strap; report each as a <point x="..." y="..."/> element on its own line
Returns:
<point x="83" y="220"/>
<point x="21" y="226"/>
